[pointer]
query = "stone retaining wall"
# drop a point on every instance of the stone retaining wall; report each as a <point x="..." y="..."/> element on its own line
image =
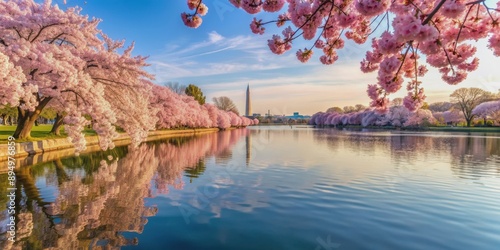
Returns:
<point x="30" y="153"/>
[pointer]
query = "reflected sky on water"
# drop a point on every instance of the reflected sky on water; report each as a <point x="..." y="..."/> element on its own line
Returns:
<point x="268" y="188"/>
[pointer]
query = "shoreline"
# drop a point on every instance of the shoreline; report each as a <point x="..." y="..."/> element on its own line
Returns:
<point x="34" y="152"/>
<point x="420" y="129"/>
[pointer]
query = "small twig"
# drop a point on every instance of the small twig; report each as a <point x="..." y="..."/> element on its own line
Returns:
<point x="461" y="27"/>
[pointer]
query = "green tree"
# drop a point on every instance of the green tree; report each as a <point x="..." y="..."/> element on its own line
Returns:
<point x="467" y="99"/>
<point x="48" y="113"/>
<point x="7" y="112"/>
<point x="195" y="91"/>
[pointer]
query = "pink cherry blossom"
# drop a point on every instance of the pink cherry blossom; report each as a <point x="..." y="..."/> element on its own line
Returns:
<point x="192" y="4"/>
<point x="11" y="79"/>
<point x="420" y="118"/>
<point x="191" y="21"/>
<point x="282" y="19"/>
<point x="414" y="101"/>
<point x="278" y="45"/>
<point x="304" y="55"/>
<point x="454" y="78"/>
<point x="388" y="44"/>
<point x="494" y="44"/>
<point x="453" y="8"/>
<point x="257" y="27"/>
<point x="202" y="10"/>
<point x="273" y="5"/>
<point x="251" y="6"/>
<point x="372" y="7"/>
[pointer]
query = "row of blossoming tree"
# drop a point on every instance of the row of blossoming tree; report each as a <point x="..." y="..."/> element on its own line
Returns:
<point x="400" y="116"/>
<point x="438" y="33"/>
<point x="57" y="58"/>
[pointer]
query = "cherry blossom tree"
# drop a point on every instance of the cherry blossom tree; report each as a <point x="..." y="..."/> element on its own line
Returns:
<point x="396" y="116"/>
<point x="439" y="117"/>
<point x="418" y="34"/>
<point x="65" y="59"/>
<point x="488" y="110"/>
<point x="453" y="116"/>
<point x="421" y="117"/>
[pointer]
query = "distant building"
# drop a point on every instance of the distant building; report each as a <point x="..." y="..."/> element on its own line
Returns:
<point x="297" y="116"/>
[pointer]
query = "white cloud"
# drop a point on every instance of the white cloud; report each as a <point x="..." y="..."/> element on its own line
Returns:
<point x="214" y="37"/>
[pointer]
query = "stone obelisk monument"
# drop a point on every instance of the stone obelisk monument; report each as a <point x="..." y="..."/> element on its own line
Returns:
<point x="248" y="108"/>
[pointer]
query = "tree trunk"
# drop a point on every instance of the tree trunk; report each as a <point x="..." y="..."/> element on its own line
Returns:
<point x="56" y="128"/>
<point x="468" y="122"/>
<point x="26" y="119"/>
<point x="62" y="176"/>
<point x="25" y="123"/>
<point x="4" y="122"/>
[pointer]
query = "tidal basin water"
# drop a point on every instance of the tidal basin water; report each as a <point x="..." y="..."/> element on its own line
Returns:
<point x="267" y="188"/>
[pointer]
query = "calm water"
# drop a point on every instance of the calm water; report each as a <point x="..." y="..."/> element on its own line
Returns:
<point x="268" y="188"/>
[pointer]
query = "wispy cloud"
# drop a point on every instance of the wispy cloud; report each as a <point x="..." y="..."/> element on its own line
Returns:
<point x="217" y="55"/>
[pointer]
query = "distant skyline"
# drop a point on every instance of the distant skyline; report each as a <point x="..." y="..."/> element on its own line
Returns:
<point x="222" y="56"/>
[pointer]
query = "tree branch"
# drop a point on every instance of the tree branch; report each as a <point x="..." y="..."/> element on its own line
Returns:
<point x="43" y="28"/>
<point x="434" y="11"/>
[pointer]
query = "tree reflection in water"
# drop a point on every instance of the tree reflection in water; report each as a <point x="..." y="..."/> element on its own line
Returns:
<point x="473" y="154"/>
<point x="100" y="195"/>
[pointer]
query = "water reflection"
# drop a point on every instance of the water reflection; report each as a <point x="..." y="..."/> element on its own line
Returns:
<point x="88" y="201"/>
<point x="278" y="188"/>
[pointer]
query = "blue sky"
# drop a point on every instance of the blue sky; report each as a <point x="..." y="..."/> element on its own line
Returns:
<point x="222" y="56"/>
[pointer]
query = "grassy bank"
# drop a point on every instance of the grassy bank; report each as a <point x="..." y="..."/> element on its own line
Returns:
<point x="427" y="129"/>
<point x="38" y="133"/>
<point x="465" y="129"/>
